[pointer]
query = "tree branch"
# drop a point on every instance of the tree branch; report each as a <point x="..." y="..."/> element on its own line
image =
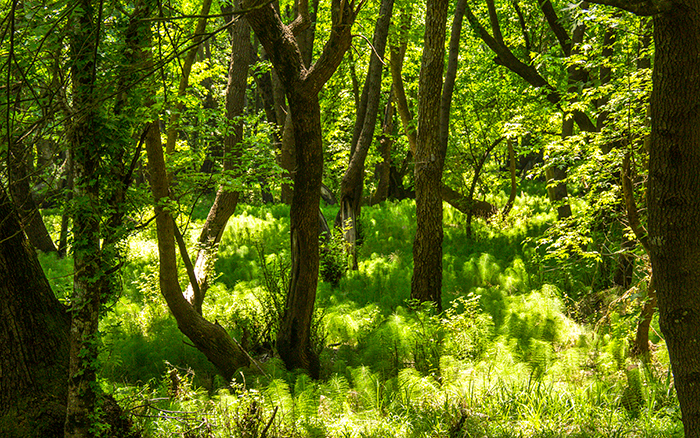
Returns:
<point x="554" y="24"/>
<point x="639" y="7"/>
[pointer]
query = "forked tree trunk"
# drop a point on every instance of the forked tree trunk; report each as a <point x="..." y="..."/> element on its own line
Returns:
<point x="226" y="198"/>
<point x="211" y="339"/>
<point x="302" y="85"/>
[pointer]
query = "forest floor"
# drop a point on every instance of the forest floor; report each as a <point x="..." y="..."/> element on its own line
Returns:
<point x="529" y="346"/>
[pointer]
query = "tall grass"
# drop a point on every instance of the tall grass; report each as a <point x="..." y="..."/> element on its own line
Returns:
<point x="505" y="359"/>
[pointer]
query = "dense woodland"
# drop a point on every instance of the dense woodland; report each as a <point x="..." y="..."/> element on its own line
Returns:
<point x="350" y="218"/>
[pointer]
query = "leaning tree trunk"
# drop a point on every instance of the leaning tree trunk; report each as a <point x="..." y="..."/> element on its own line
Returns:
<point x="226" y="198"/>
<point x="426" y="282"/>
<point x="209" y="338"/>
<point x="33" y="339"/>
<point x="20" y="190"/>
<point x="674" y="197"/>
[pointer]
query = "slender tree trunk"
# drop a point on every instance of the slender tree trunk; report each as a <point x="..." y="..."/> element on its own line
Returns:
<point x="186" y="66"/>
<point x="557" y="173"/>
<point x="513" y="181"/>
<point x="211" y="339"/>
<point x="226" y="199"/>
<point x="426" y="282"/>
<point x="449" y="195"/>
<point x="674" y="197"/>
<point x="386" y="143"/>
<point x="85" y="300"/>
<point x="33" y="339"/>
<point x="353" y="180"/>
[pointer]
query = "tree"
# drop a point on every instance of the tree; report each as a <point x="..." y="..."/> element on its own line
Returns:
<point x="209" y="338"/>
<point x="365" y="122"/>
<point x="86" y="148"/>
<point x="426" y="282"/>
<point x="33" y="338"/>
<point x="226" y="196"/>
<point x="302" y="85"/>
<point x="673" y="195"/>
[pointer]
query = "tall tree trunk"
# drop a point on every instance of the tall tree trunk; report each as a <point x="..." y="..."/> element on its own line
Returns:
<point x="426" y="282"/>
<point x="449" y="195"/>
<point x="211" y="339"/>
<point x="33" y="339"/>
<point x="557" y="173"/>
<point x="351" y="187"/>
<point x="674" y="197"/>
<point x="513" y="182"/>
<point x="302" y="86"/>
<point x="85" y="150"/>
<point x="226" y="199"/>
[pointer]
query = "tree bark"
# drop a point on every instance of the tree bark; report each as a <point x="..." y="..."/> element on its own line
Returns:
<point x="226" y="198"/>
<point x="33" y="338"/>
<point x="449" y="195"/>
<point x="211" y="339"/>
<point x="20" y="177"/>
<point x="302" y="86"/>
<point x="85" y="300"/>
<point x="352" y="184"/>
<point x="513" y="182"/>
<point x="426" y="282"/>
<point x="674" y="197"/>
<point x="386" y="143"/>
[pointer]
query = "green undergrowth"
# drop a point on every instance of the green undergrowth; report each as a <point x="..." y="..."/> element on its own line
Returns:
<point x="506" y="358"/>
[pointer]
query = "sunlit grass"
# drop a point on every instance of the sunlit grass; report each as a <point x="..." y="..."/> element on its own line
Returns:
<point x="505" y="359"/>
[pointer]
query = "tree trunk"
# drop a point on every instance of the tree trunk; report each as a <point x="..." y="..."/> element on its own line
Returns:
<point x="513" y="183"/>
<point x="674" y="197"/>
<point x="302" y="86"/>
<point x="211" y="339"/>
<point x="449" y="195"/>
<point x="33" y="339"/>
<point x="85" y="300"/>
<point x="18" y="170"/>
<point x="426" y="282"/>
<point x="351" y="187"/>
<point x="386" y="143"/>
<point x="294" y="338"/>
<point x="226" y="199"/>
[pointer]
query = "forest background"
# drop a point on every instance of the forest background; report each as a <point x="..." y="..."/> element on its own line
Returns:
<point x="500" y="180"/>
